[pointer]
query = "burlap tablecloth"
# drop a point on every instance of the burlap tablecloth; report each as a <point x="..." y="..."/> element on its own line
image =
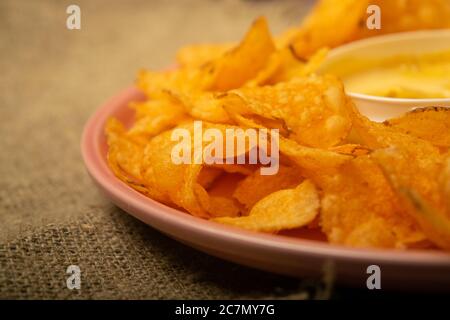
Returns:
<point x="51" y="214"/>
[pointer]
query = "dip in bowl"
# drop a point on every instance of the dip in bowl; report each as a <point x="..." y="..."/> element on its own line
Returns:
<point x="389" y="75"/>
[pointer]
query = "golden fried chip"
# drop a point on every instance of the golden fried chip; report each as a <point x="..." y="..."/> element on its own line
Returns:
<point x="217" y="206"/>
<point x="156" y="115"/>
<point x="125" y="158"/>
<point x="204" y="106"/>
<point x="417" y="185"/>
<point x="312" y="160"/>
<point x="256" y="186"/>
<point x="199" y="54"/>
<point x="208" y="175"/>
<point x="351" y="149"/>
<point x="408" y="15"/>
<point x="314" y="110"/>
<point x="358" y="206"/>
<point x="243" y="62"/>
<point x="431" y="124"/>
<point x="320" y="29"/>
<point x="176" y="181"/>
<point x="283" y="65"/>
<point x="284" y="209"/>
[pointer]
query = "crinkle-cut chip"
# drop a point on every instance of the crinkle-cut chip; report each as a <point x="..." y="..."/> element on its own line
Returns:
<point x="155" y="116"/>
<point x="283" y="209"/>
<point x="431" y="124"/>
<point x="417" y="186"/>
<point x="351" y="149"/>
<point x="217" y="206"/>
<point x="359" y="194"/>
<point x="204" y="106"/>
<point x="176" y="181"/>
<point x="284" y="66"/>
<point x="319" y="28"/>
<point x="125" y="160"/>
<point x="243" y="62"/>
<point x="198" y="54"/>
<point x="315" y="110"/>
<point x="256" y="186"/>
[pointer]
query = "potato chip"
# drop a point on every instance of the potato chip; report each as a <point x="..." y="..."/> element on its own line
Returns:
<point x="444" y="181"/>
<point x="199" y="54"/>
<point x="358" y="200"/>
<point x="417" y="185"/>
<point x="284" y="209"/>
<point x="312" y="160"/>
<point x="408" y="15"/>
<point x="188" y="79"/>
<point x="283" y="65"/>
<point x="176" y="181"/>
<point x="125" y="159"/>
<point x="376" y="135"/>
<point x="244" y="169"/>
<point x="315" y="110"/>
<point x="320" y="29"/>
<point x="156" y="115"/>
<point x="208" y="175"/>
<point x="431" y="124"/>
<point x="204" y="106"/>
<point x="256" y="186"/>
<point x="217" y="206"/>
<point x="243" y="62"/>
<point x="351" y="149"/>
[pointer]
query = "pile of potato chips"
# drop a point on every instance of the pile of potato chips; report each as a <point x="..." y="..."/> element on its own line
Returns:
<point x="361" y="183"/>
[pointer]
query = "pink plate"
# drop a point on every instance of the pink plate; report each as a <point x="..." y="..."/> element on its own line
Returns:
<point x="282" y="254"/>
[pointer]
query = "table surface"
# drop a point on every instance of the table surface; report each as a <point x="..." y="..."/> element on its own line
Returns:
<point x="51" y="214"/>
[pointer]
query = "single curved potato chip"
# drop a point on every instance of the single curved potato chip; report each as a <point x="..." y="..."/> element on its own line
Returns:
<point x="204" y="106"/>
<point x="283" y="66"/>
<point x="417" y="186"/>
<point x="315" y="110"/>
<point x="431" y="124"/>
<point x="176" y="181"/>
<point x="313" y="161"/>
<point x="156" y="115"/>
<point x="320" y="29"/>
<point x="351" y="149"/>
<point x="217" y="206"/>
<point x="358" y="199"/>
<point x="243" y="62"/>
<point x="125" y="158"/>
<point x="284" y="209"/>
<point x="256" y="186"/>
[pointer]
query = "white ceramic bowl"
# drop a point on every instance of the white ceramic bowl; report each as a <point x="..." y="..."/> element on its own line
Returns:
<point x="417" y="42"/>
